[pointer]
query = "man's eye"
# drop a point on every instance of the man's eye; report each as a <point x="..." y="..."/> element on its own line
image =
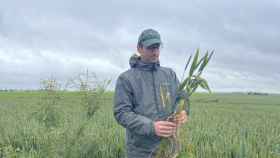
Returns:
<point x="153" y="47"/>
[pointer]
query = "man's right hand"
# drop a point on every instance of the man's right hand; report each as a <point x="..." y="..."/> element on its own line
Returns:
<point x="164" y="128"/>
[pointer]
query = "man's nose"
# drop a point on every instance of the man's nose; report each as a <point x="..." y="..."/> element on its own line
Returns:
<point x="154" y="50"/>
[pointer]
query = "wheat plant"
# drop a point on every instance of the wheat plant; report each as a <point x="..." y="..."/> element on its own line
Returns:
<point x="170" y="147"/>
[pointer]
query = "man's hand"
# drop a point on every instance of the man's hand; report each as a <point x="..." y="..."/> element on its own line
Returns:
<point x="181" y="118"/>
<point x="164" y="128"/>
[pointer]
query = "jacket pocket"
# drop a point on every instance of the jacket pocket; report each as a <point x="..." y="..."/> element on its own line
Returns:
<point x="145" y="142"/>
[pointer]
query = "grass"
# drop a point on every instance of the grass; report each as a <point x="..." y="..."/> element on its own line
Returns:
<point x="220" y="126"/>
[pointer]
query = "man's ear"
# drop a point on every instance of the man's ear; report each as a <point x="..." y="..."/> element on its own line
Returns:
<point x="139" y="49"/>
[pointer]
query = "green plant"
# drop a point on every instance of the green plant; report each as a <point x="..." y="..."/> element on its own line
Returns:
<point x="48" y="113"/>
<point x="170" y="147"/>
<point x="91" y="91"/>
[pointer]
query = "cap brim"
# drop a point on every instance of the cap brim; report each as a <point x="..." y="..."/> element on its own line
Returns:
<point x="150" y="42"/>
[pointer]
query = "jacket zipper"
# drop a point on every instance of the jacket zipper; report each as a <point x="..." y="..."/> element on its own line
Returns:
<point x="155" y="92"/>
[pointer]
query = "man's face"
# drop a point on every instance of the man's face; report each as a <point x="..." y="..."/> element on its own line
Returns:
<point x="150" y="54"/>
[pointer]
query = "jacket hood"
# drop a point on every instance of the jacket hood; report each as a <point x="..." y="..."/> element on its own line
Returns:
<point x="136" y="62"/>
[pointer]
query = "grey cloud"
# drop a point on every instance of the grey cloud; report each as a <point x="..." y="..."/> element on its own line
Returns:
<point x="244" y="35"/>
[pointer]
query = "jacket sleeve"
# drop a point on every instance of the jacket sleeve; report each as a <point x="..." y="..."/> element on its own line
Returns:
<point x="123" y="110"/>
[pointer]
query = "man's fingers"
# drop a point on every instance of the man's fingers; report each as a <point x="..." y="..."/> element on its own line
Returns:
<point x="166" y="128"/>
<point x="182" y="117"/>
<point x="167" y="123"/>
<point x="166" y="135"/>
<point x="183" y="112"/>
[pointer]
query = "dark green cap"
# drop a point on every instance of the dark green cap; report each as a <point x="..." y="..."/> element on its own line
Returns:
<point x="149" y="37"/>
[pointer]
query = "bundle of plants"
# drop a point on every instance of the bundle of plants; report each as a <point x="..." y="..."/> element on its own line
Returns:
<point x="170" y="147"/>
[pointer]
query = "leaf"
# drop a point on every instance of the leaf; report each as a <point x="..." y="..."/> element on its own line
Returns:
<point x="193" y="88"/>
<point x="183" y="84"/>
<point x="194" y="63"/>
<point x="203" y="84"/>
<point x="188" y="62"/>
<point x="205" y="58"/>
<point x="186" y="66"/>
<point x="210" y="56"/>
<point x="181" y="105"/>
<point x="162" y="96"/>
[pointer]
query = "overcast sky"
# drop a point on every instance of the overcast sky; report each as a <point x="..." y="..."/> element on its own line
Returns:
<point x="61" y="38"/>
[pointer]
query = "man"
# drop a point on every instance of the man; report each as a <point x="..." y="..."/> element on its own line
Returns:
<point x="138" y="105"/>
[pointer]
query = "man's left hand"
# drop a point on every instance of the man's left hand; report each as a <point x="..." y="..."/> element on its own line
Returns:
<point x="181" y="118"/>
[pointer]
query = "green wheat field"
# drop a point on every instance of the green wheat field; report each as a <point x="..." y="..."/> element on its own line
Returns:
<point x="221" y="125"/>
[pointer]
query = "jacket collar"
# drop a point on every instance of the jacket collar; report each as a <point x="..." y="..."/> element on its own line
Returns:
<point x="136" y="62"/>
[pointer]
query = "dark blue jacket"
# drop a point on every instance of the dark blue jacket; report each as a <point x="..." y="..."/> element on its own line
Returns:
<point x="137" y="104"/>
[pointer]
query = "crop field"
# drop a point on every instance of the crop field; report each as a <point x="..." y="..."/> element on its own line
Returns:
<point x="221" y="125"/>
